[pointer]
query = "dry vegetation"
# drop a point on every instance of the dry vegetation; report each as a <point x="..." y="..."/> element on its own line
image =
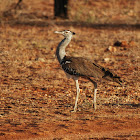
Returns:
<point x="36" y="97"/>
<point x="114" y="11"/>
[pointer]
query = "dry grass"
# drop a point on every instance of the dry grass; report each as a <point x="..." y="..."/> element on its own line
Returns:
<point x="36" y="97"/>
<point x="102" y="11"/>
<point x="4" y="5"/>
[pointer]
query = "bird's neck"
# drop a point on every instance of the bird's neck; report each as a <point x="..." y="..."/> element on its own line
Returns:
<point x="60" y="51"/>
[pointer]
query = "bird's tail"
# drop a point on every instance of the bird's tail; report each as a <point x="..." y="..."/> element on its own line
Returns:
<point x="108" y="75"/>
<point x="118" y="80"/>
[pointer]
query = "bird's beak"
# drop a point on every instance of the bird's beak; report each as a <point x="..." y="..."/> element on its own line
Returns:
<point x="57" y="32"/>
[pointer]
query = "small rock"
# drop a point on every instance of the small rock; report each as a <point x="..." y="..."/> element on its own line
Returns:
<point x="41" y="59"/>
<point x="112" y="49"/>
<point x="106" y="59"/>
<point x="117" y="43"/>
<point x="132" y="44"/>
<point x="28" y="63"/>
<point x="124" y="44"/>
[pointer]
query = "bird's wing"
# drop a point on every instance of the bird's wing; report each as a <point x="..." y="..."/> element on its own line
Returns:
<point x="79" y="66"/>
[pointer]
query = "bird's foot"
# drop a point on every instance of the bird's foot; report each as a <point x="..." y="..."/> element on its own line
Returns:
<point x="94" y="106"/>
<point x="73" y="111"/>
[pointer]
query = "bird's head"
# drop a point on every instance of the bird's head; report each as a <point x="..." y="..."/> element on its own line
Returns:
<point x="65" y="33"/>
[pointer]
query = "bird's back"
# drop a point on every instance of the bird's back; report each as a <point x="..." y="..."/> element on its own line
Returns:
<point x="79" y="66"/>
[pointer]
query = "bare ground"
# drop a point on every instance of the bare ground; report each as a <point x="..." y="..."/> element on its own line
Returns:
<point x="36" y="98"/>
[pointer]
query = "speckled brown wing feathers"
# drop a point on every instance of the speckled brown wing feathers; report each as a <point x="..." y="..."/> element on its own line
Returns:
<point x="83" y="67"/>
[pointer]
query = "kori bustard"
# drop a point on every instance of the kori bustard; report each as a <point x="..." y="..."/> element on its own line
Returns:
<point x="76" y="67"/>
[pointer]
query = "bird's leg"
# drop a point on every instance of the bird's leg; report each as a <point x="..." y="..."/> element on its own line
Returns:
<point x="95" y="92"/>
<point x="78" y="91"/>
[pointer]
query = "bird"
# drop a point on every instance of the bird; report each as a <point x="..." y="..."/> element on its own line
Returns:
<point x="76" y="67"/>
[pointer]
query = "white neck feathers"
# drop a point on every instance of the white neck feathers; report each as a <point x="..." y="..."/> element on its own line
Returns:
<point x="60" y="51"/>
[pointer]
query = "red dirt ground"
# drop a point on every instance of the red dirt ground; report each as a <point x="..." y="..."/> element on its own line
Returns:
<point x="36" y="98"/>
